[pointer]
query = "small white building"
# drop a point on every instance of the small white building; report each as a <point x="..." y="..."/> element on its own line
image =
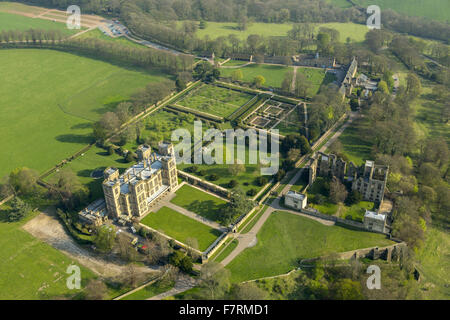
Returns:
<point x="295" y="200"/>
<point x="375" y="221"/>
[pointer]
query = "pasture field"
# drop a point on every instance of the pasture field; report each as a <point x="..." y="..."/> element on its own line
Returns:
<point x="215" y="100"/>
<point x="199" y="202"/>
<point x="97" y="34"/>
<point x="94" y="159"/>
<point x="274" y="74"/>
<point x="432" y="9"/>
<point x="246" y="180"/>
<point x="20" y="8"/>
<point x="217" y="29"/>
<point x="9" y="21"/>
<point x="287" y="238"/>
<point x="32" y="269"/>
<point x="50" y="101"/>
<point x="181" y="227"/>
<point x="340" y="3"/>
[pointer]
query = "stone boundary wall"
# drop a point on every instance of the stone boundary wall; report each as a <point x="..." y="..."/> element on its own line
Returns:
<point x="222" y="192"/>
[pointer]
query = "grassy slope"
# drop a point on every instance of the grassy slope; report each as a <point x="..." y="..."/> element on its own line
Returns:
<point x="31" y="269"/>
<point x="34" y="129"/>
<point x="9" y="21"/>
<point x="245" y="179"/>
<point x="286" y="238"/>
<point x="199" y="202"/>
<point x="274" y="75"/>
<point x="216" y="29"/>
<point x="97" y="34"/>
<point x="432" y="9"/>
<point x="180" y="227"/>
<point x="149" y="291"/>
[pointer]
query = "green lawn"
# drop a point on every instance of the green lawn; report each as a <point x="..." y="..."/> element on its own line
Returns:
<point x="340" y="3"/>
<point x="98" y="34"/>
<point x="180" y="227"/>
<point x="354" y="142"/>
<point x="199" y="202"/>
<point x="50" y="101"/>
<point x="19" y="7"/>
<point x="431" y="9"/>
<point x="150" y="291"/>
<point x="94" y="159"/>
<point x="286" y="238"/>
<point x="234" y="243"/>
<point x="274" y="75"/>
<point x="9" y="21"/>
<point x="246" y="180"/>
<point x="217" y="29"/>
<point x="214" y="100"/>
<point x="30" y="268"/>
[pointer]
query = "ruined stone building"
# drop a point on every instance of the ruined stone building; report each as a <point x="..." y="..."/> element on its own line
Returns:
<point x="135" y="191"/>
<point x="369" y="179"/>
<point x="347" y="83"/>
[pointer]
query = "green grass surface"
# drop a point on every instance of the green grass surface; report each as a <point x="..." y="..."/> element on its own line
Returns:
<point x="216" y="29"/>
<point x="9" y="21"/>
<point x="215" y="100"/>
<point x="199" y="202"/>
<point x="51" y="99"/>
<point x="30" y="268"/>
<point x="434" y="264"/>
<point x="180" y="227"/>
<point x="354" y="142"/>
<point x="274" y="75"/>
<point x="246" y="180"/>
<point x="431" y="9"/>
<point x="94" y="159"/>
<point x="225" y="253"/>
<point x="286" y="238"/>
<point x="149" y="291"/>
<point x="19" y="7"/>
<point x="340" y="3"/>
<point x="98" y="34"/>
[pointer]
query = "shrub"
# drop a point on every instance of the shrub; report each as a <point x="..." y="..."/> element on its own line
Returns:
<point x="261" y="181"/>
<point x="252" y="192"/>
<point x="232" y="183"/>
<point x="213" y="177"/>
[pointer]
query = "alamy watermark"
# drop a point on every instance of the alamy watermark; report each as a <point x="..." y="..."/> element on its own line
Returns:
<point x="209" y="147"/>
<point x="374" y="20"/>
<point x="74" y="280"/>
<point x="74" y="19"/>
<point x="374" y="281"/>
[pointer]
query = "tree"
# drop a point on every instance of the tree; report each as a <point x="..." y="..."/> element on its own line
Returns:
<point x="236" y="169"/>
<point x="338" y="192"/>
<point x="237" y="75"/>
<point x="180" y="260"/>
<point x="247" y="291"/>
<point x="108" y="124"/>
<point x="95" y="290"/>
<point x="71" y="191"/>
<point x="259" y="81"/>
<point x="383" y="87"/>
<point x="105" y="238"/>
<point x="238" y="205"/>
<point x="24" y="181"/>
<point x="214" y="281"/>
<point x="131" y="277"/>
<point x="353" y="198"/>
<point x="19" y="210"/>
<point x="413" y="86"/>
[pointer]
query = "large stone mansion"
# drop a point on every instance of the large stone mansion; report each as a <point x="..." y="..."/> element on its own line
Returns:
<point x="133" y="193"/>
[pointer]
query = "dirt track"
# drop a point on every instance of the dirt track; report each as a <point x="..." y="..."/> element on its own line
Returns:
<point x="47" y="228"/>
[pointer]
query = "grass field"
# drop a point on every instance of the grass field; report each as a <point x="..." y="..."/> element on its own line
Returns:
<point x="431" y="9"/>
<point x="31" y="269"/>
<point x="94" y="159"/>
<point x="199" y="202"/>
<point x="180" y="227"/>
<point x="150" y="291"/>
<point x="246" y="180"/>
<point x="9" y="21"/>
<point x="51" y="99"/>
<point x="217" y="29"/>
<point x="354" y="142"/>
<point x="286" y="238"/>
<point x="6" y="6"/>
<point x="97" y="34"/>
<point x="274" y="75"/>
<point x="215" y="100"/>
